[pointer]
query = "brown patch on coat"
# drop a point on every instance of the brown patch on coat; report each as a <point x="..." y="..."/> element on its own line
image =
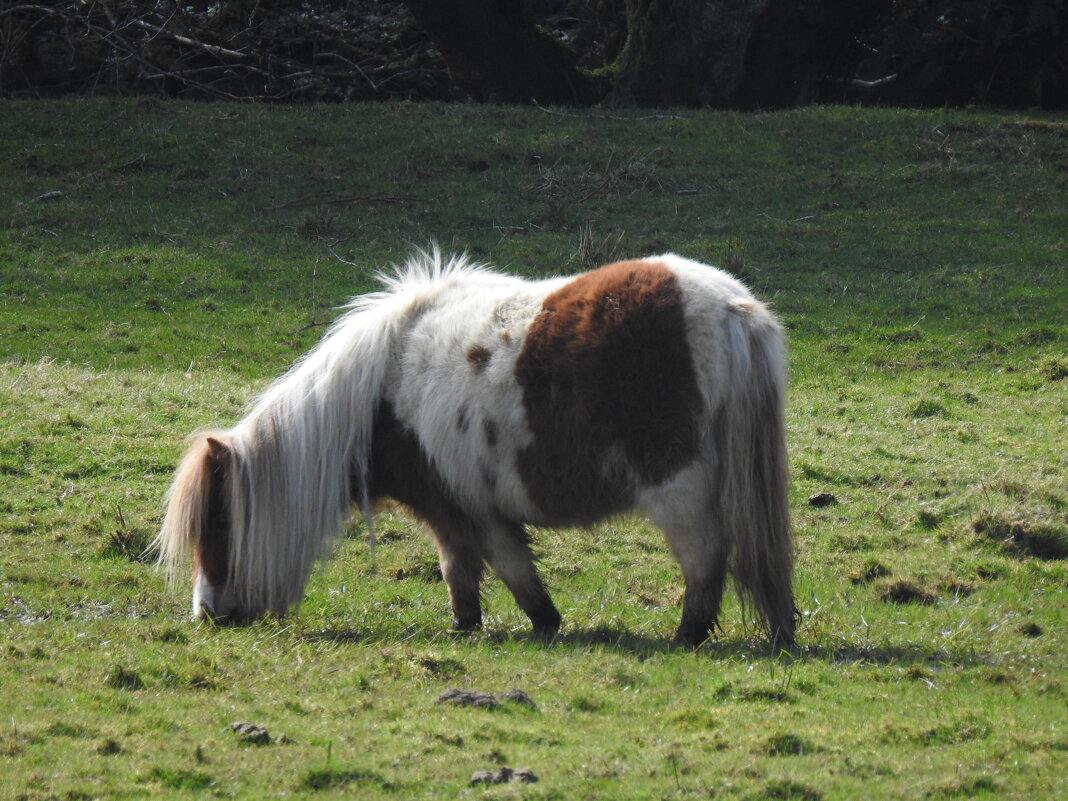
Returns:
<point x="606" y="372"/>
<point x="478" y="357"/>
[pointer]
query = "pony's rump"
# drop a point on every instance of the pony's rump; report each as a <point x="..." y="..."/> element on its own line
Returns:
<point x="485" y="403"/>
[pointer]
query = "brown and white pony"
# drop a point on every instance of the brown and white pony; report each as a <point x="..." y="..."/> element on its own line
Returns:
<point x="486" y="403"/>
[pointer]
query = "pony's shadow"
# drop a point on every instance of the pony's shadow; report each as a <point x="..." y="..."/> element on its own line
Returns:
<point x="616" y="639"/>
<point x="903" y="655"/>
<point x="641" y="646"/>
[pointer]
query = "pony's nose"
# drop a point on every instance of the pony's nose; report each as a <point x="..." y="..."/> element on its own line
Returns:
<point x="215" y="602"/>
<point x="203" y="598"/>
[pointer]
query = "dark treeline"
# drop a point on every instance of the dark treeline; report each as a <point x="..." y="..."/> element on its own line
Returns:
<point x="716" y="53"/>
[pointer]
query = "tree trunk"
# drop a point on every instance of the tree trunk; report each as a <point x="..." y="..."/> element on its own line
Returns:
<point x="684" y="52"/>
<point x="496" y="52"/>
<point x="804" y="51"/>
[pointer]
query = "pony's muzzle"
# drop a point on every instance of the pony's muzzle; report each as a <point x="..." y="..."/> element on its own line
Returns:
<point x="210" y="603"/>
<point x="203" y="597"/>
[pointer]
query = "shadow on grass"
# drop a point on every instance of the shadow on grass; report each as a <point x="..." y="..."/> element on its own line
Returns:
<point x="623" y="641"/>
<point x="905" y="654"/>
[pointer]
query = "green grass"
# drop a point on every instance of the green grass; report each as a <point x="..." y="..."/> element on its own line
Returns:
<point x="920" y="264"/>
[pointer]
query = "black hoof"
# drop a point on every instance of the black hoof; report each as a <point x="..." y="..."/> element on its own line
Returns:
<point x="689" y="636"/>
<point x="466" y="625"/>
<point x="546" y="621"/>
<point x="545" y="633"/>
<point x="783" y="642"/>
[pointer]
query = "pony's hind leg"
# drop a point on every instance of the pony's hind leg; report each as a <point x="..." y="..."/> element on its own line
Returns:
<point x="508" y="552"/>
<point x="705" y="578"/>
<point x="682" y="510"/>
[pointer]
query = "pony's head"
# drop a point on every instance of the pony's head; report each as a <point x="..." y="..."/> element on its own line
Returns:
<point x="256" y="505"/>
<point x="198" y="524"/>
<point x="253" y="508"/>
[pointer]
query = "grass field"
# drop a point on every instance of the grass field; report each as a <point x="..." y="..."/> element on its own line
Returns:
<point x="160" y="262"/>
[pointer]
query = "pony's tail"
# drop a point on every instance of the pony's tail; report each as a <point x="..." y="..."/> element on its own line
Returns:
<point x="753" y="469"/>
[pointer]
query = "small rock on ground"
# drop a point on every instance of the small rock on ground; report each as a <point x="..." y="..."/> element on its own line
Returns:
<point x="503" y="776"/>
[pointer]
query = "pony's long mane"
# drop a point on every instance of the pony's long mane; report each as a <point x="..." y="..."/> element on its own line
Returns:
<point x="304" y="449"/>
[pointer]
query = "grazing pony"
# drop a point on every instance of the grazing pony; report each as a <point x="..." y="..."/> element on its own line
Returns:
<point x="486" y="403"/>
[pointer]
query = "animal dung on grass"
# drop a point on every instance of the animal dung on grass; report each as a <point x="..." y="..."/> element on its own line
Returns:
<point x="255" y="734"/>
<point x="1022" y="538"/>
<point x="504" y="776"/>
<point x="251" y="733"/>
<point x="119" y="678"/>
<point x="903" y="591"/>
<point x="475" y="698"/>
<point x="1030" y="629"/>
<point x="516" y="696"/>
<point x="483" y="700"/>
<point x="821" y="499"/>
<point x="487" y="403"/>
<point x="109" y="747"/>
<point x="787" y="744"/>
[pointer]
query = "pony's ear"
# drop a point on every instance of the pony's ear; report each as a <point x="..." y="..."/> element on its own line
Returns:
<point x="217" y="449"/>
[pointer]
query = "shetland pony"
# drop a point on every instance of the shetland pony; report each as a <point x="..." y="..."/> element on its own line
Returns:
<point x="487" y="403"/>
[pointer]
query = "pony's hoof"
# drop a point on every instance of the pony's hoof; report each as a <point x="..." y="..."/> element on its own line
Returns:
<point x="781" y="644"/>
<point x="692" y="637"/>
<point x="546" y="621"/>
<point x="465" y="626"/>
<point x="544" y="633"/>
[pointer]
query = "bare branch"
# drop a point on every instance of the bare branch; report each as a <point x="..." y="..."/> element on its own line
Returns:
<point x="222" y="51"/>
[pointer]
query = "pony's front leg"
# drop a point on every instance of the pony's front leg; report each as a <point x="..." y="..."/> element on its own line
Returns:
<point x="508" y="552"/>
<point x="461" y="567"/>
